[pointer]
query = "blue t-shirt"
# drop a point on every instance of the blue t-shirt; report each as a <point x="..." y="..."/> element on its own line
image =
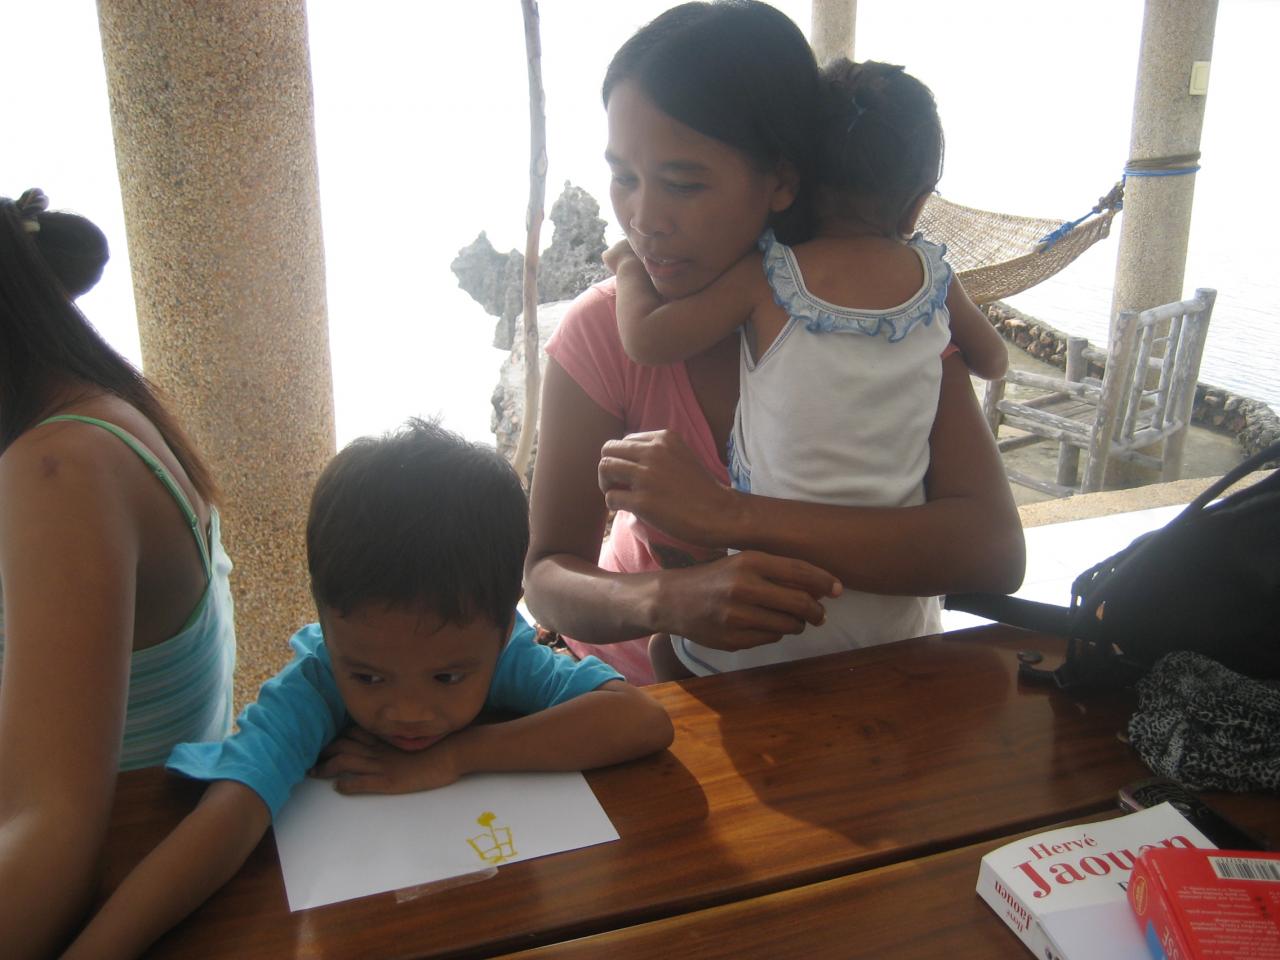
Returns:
<point x="299" y="710"/>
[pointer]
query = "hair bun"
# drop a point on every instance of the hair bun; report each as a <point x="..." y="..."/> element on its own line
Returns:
<point x="868" y="81"/>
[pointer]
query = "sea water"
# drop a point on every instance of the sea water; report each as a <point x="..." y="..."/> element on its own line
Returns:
<point x="422" y="138"/>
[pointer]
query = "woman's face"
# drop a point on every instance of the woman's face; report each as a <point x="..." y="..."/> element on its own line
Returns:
<point x="690" y="205"/>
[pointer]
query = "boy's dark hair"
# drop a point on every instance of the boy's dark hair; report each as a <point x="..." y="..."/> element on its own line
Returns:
<point x="882" y="142"/>
<point x="740" y="72"/>
<point x="421" y="519"/>
<point x="47" y="259"/>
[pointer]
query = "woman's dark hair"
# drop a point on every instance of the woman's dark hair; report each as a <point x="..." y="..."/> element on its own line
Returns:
<point x="46" y="260"/>
<point x="418" y="519"/>
<point x="740" y="72"/>
<point x="881" y="141"/>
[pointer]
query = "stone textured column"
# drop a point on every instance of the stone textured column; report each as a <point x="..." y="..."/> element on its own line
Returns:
<point x="211" y="107"/>
<point x="1167" y="120"/>
<point x="832" y="29"/>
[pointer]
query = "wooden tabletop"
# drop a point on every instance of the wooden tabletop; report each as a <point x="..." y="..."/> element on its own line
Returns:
<point x="922" y="909"/>
<point x="780" y="778"/>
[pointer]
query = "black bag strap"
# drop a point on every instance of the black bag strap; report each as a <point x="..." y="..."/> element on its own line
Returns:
<point x="1259" y="459"/>
<point x="1051" y="618"/>
<point x="1028" y="614"/>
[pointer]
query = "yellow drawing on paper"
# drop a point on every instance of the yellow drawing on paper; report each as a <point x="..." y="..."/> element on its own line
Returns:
<point x="494" y="846"/>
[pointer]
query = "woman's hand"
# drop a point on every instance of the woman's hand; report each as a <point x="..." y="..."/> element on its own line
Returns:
<point x="659" y="479"/>
<point x="741" y="601"/>
<point x="617" y="254"/>
<point x="744" y="600"/>
<point x="359" y="762"/>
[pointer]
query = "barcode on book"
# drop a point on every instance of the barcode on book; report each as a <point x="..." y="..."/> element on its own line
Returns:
<point x="1239" y="868"/>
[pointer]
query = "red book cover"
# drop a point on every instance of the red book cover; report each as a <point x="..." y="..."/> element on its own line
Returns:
<point x="1208" y="904"/>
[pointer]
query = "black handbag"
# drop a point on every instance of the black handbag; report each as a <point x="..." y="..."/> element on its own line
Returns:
<point x="1208" y="581"/>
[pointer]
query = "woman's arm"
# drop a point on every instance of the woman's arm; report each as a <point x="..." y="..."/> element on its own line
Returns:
<point x="983" y="349"/>
<point x="738" y="601"/>
<point x="69" y="551"/>
<point x="201" y="854"/>
<point x="966" y="537"/>
<point x="655" y="331"/>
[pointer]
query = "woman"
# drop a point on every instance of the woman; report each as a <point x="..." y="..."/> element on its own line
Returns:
<point x="712" y="136"/>
<point x="116" y="632"/>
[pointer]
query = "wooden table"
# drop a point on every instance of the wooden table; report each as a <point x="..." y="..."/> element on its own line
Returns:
<point x="794" y="787"/>
<point x="921" y="909"/>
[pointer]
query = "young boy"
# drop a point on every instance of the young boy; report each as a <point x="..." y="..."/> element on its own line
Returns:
<point x="415" y="544"/>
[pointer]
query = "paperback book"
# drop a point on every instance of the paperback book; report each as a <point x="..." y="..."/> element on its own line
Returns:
<point x="1063" y="892"/>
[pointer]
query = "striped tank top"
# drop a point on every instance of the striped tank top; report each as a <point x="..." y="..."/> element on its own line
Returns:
<point x="179" y="690"/>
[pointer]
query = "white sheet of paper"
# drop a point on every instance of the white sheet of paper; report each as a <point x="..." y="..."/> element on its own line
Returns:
<point x="334" y="847"/>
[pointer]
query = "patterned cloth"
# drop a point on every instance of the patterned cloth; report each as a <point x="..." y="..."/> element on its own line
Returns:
<point x="1206" y="726"/>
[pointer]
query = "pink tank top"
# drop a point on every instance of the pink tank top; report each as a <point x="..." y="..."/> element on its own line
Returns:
<point x="588" y="347"/>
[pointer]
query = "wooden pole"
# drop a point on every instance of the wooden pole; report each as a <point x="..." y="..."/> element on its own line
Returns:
<point x="533" y="225"/>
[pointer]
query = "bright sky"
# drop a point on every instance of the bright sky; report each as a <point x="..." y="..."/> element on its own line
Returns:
<point x="424" y="106"/>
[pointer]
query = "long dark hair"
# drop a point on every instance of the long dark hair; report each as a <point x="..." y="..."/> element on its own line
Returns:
<point x="740" y="72"/>
<point x="47" y="259"/>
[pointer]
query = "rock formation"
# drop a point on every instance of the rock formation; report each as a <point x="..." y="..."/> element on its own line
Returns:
<point x="566" y="268"/>
<point x="508" y="395"/>
<point x="495" y="281"/>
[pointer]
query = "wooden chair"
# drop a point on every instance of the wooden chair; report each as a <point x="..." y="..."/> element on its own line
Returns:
<point x="1144" y="397"/>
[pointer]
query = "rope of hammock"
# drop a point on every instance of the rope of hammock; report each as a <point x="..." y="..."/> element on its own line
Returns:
<point x="996" y="255"/>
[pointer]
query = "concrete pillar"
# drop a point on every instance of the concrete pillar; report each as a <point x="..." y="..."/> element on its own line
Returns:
<point x="1166" y="123"/>
<point x="831" y="32"/>
<point x="1167" y="118"/>
<point x="211" y="107"/>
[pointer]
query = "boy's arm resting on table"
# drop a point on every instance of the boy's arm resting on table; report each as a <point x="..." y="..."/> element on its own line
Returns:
<point x="250" y="774"/>
<point x="69" y="551"/>
<point x="739" y="601"/>
<point x="983" y="348"/>
<point x="655" y="331"/>
<point x="966" y="537"/>
<point x="611" y="724"/>
<point x="201" y="854"/>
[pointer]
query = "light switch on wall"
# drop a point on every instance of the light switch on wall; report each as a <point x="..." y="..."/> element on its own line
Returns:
<point x="1199" y="78"/>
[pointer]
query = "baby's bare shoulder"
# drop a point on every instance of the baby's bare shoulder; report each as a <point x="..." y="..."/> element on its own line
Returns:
<point x="865" y="273"/>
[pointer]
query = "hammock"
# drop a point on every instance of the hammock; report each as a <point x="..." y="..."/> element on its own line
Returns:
<point x="996" y="255"/>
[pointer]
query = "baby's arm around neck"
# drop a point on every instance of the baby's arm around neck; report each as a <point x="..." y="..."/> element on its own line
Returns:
<point x="656" y="331"/>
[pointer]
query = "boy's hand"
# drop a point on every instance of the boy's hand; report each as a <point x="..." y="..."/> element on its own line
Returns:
<point x="358" y="762"/>
<point x="616" y="255"/>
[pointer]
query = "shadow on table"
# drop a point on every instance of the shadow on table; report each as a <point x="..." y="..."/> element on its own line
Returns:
<point x="894" y="751"/>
